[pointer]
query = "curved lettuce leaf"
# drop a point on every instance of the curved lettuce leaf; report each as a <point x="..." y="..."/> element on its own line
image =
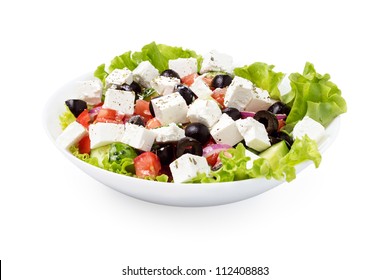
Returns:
<point x="314" y="95"/>
<point x="262" y="75"/>
<point x="66" y="118"/>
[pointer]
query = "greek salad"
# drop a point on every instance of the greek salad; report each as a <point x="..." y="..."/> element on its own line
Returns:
<point x="169" y="114"/>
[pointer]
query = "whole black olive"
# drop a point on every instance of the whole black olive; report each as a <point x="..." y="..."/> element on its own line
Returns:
<point x="170" y="73"/>
<point x="188" y="145"/>
<point x="279" y="108"/>
<point x="136" y="119"/>
<point x="186" y="93"/>
<point x="132" y="87"/>
<point x="166" y="154"/>
<point x="221" y="81"/>
<point x="76" y="106"/>
<point x="268" y="119"/>
<point x="198" y="131"/>
<point x="232" y="112"/>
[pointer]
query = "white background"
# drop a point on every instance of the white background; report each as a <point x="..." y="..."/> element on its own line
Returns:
<point x="330" y="223"/>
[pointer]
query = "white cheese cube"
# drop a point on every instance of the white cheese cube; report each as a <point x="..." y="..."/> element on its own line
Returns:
<point x="171" y="108"/>
<point x="200" y="88"/>
<point x="90" y="91"/>
<point x="168" y="133"/>
<point x="225" y="131"/>
<point x="71" y="135"/>
<point x="307" y="126"/>
<point x="144" y="73"/>
<point x="102" y="134"/>
<point x="252" y="156"/>
<point x="284" y="86"/>
<point x="260" y="101"/>
<point x="183" y="66"/>
<point x="187" y="167"/>
<point x="119" y="77"/>
<point x="239" y="93"/>
<point x="164" y="85"/>
<point x="216" y="61"/>
<point x="120" y="100"/>
<point x="204" y="111"/>
<point x="138" y="137"/>
<point x="254" y="133"/>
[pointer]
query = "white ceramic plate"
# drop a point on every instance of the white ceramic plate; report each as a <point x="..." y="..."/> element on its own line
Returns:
<point x="166" y="193"/>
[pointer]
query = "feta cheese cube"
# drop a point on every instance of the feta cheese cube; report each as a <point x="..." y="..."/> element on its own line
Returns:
<point x="204" y="111"/>
<point x="144" y="73"/>
<point x="71" y="135"/>
<point x="171" y="108"/>
<point x="225" y="131"/>
<point x="200" y="88"/>
<point x="120" y="100"/>
<point x="168" y="133"/>
<point x="164" y="85"/>
<point x="138" y="137"/>
<point x="183" y="66"/>
<point x="239" y="93"/>
<point x="260" y="101"/>
<point x="307" y="126"/>
<point x="119" y="77"/>
<point x="102" y="134"/>
<point x="216" y="61"/>
<point x="90" y="91"/>
<point x="254" y="133"/>
<point x="187" y="167"/>
<point x="284" y="86"/>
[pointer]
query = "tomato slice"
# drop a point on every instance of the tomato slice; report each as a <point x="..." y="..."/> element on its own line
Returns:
<point x="84" y="119"/>
<point x="189" y="80"/>
<point x="85" y="145"/>
<point x="219" y="96"/>
<point x="153" y="123"/>
<point x="212" y="159"/>
<point x="147" y="164"/>
<point x="142" y="108"/>
<point x="109" y="116"/>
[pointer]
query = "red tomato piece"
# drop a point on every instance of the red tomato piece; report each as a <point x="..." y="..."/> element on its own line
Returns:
<point x="281" y="123"/>
<point x="84" y="119"/>
<point x="189" y="80"/>
<point x="85" y="145"/>
<point x="147" y="164"/>
<point x="109" y="116"/>
<point x="212" y="159"/>
<point x="219" y="96"/>
<point x="142" y="108"/>
<point x="153" y="123"/>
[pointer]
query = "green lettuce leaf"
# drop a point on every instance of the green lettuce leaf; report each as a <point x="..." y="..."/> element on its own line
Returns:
<point x="303" y="149"/>
<point x="66" y="118"/>
<point x="157" y="54"/>
<point x="101" y="73"/>
<point x="314" y="96"/>
<point x="262" y="75"/>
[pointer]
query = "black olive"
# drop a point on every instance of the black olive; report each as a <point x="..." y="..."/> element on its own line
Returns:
<point x="188" y="145"/>
<point x="76" y="106"/>
<point x="279" y="108"/>
<point x="198" y="131"/>
<point x="170" y="73"/>
<point x="186" y="93"/>
<point x="132" y="87"/>
<point x="287" y="138"/>
<point x="166" y="154"/>
<point x="268" y="119"/>
<point x="221" y="81"/>
<point x="136" y="119"/>
<point x="232" y="112"/>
